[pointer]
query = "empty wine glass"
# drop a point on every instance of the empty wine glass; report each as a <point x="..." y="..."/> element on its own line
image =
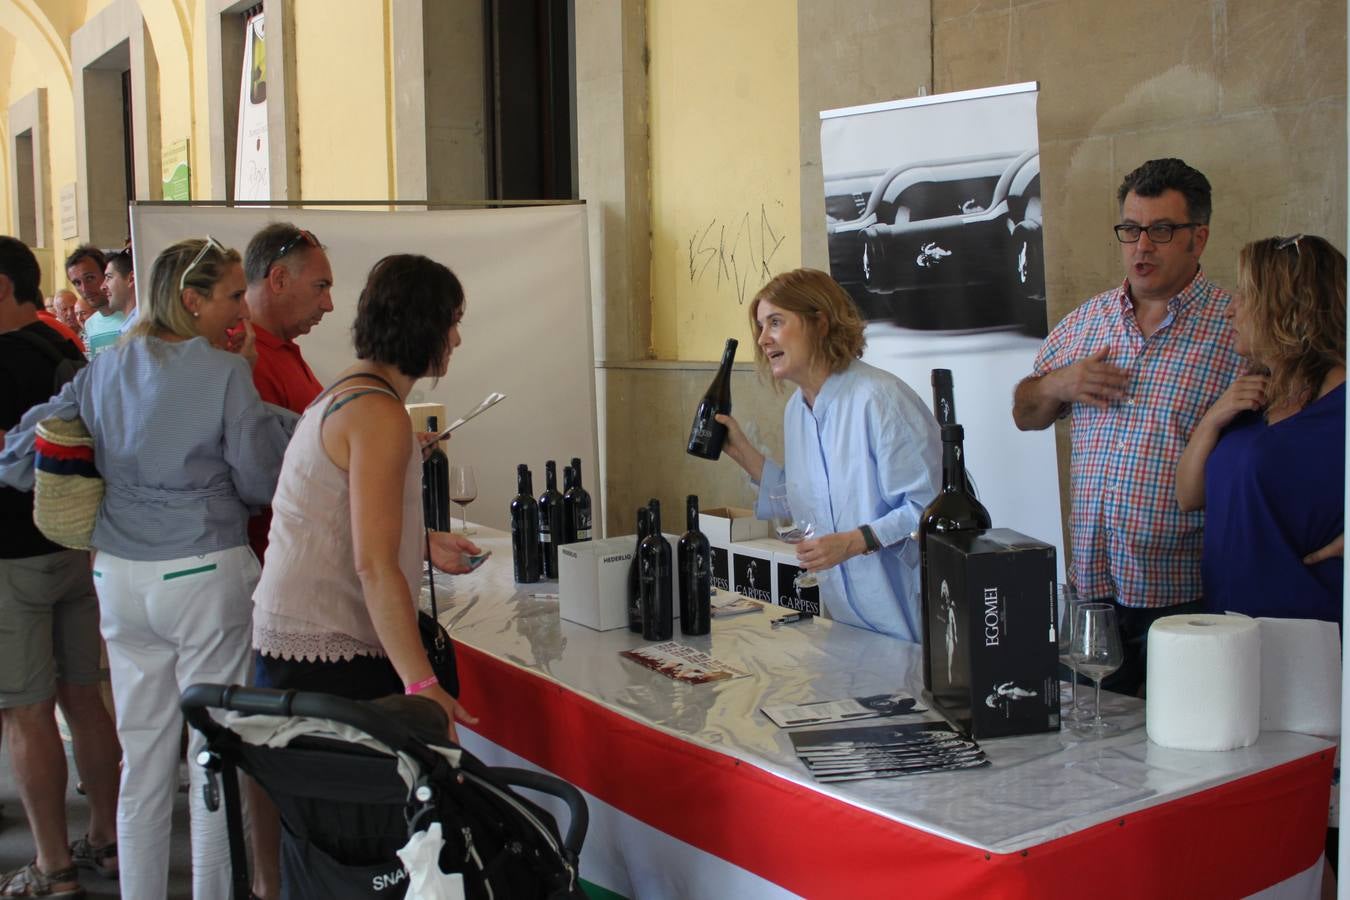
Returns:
<point x="1068" y="604"/>
<point x="1096" y="651"/>
<point x="463" y="490"/>
<point x="792" y="529"/>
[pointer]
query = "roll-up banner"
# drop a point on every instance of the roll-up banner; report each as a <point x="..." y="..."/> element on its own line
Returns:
<point x="933" y="216"/>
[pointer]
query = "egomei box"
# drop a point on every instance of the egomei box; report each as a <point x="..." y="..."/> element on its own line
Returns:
<point x="991" y="619"/>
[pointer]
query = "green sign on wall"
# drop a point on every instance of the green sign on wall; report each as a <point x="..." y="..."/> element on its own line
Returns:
<point x="177" y="178"/>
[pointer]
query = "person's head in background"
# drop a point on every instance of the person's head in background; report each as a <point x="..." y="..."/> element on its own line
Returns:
<point x="806" y="327"/>
<point x="20" y="277"/>
<point x="196" y="290"/>
<point x="84" y="267"/>
<point x="408" y="315"/>
<point x="63" y="307"/>
<point x="83" y="310"/>
<point x="119" y="282"/>
<point x="1289" y="314"/>
<point x="290" y="280"/>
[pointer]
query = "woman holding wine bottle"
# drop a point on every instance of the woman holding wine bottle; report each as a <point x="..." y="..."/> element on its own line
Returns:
<point x="863" y="456"/>
<point x="336" y="606"/>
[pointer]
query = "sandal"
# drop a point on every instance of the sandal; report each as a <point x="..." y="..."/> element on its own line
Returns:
<point x="30" y="881"/>
<point x="101" y="860"/>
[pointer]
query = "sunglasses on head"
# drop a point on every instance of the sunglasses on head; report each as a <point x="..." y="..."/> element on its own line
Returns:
<point x="302" y="235"/>
<point x="196" y="260"/>
<point x="1291" y="241"/>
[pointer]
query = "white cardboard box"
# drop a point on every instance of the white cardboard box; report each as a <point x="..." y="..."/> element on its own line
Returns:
<point x="783" y="559"/>
<point x="593" y="581"/>
<point x="723" y="524"/>
<point x="753" y="570"/>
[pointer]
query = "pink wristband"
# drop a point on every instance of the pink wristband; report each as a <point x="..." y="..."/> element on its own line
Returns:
<point x="420" y="686"/>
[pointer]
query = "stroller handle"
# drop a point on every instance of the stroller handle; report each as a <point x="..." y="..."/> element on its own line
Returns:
<point x="578" y="815"/>
<point x="198" y="698"/>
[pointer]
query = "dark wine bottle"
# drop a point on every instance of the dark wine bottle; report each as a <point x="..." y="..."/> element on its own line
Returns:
<point x="550" y="520"/>
<point x="693" y="559"/>
<point x="634" y="585"/>
<point x="436" y="484"/>
<point x="654" y="581"/>
<point x="576" y="506"/>
<point x="525" y="555"/>
<point x="707" y="434"/>
<point x="954" y="509"/>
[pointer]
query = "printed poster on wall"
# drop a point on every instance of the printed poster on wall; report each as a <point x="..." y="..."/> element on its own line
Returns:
<point x="251" y="174"/>
<point x="933" y="216"/>
<point x="176" y="176"/>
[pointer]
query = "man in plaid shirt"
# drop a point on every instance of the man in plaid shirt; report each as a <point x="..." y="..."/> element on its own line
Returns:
<point x="1136" y="367"/>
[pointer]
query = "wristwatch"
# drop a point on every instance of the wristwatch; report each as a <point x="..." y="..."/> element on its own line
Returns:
<point x="870" y="539"/>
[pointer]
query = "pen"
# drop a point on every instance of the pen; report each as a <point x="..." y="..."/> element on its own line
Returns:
<point x="545" y="596"/>
<point x="790" y="618"/>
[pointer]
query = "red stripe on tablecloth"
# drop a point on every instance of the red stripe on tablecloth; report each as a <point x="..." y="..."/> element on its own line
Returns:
<point x="1228" y="841"/>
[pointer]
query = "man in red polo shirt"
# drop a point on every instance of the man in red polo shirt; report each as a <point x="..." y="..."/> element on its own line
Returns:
<point x="290" y="287"/>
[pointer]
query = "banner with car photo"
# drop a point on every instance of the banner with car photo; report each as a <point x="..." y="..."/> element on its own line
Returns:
<point x="933" y="216"/>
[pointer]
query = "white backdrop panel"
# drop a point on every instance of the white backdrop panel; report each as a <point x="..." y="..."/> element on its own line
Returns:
<point x="526" y="331"/>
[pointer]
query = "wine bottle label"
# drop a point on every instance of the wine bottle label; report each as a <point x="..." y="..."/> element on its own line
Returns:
<point x="583" y="534"/>
<point x="545" y="537"/>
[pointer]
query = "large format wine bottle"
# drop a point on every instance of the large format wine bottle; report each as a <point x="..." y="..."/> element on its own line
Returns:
<point x="693" y="560"/>
<point x="654" y="577"/>
<point x="436" y="484"/>
<point x="944" y="404"/>
<point x="550" y="520"/>
<point x="954" y="509"/>
<point x="525" y="528"/>
<point x="706" y="434"/>
<point x="576" y="506"/>
<point x="634" y="585"/>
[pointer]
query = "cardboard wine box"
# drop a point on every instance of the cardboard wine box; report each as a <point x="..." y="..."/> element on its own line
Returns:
<point x="991" y="608"/>
<point x="723" y="525"/>
<point x="752" y="569"/>
<point x="593" y="581"/>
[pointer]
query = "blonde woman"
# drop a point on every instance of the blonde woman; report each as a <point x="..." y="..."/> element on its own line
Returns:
<point x="185" y="447"/>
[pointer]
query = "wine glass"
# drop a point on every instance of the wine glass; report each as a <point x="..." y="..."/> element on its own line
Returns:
<point x="791" y="529"/>
<point x="1068" y="605"/>
<point x="463" y="490"/>
<point x="1096" y="651"/>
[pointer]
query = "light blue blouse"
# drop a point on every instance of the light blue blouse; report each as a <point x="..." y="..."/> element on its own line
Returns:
<point x="867" y="452"/>
<point x="182" y="440"/>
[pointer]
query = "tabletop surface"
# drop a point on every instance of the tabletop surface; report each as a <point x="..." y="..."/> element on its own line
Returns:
<point x="1038" y="787"/>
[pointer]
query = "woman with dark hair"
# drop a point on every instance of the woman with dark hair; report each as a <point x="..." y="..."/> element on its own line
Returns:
<point x="184" y="447"/>
<point x="335" y="609"/>
<point x="863" y="457"/>
<point x="1267" y="461"/>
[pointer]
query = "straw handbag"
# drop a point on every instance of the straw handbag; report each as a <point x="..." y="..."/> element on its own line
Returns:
<point x="67" y="489"/>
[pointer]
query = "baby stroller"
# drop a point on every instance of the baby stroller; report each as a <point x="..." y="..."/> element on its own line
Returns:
<point x="355" y="780"/>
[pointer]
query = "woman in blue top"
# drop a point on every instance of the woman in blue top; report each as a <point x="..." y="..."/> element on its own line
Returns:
<point x="185" y="447"/>
<point x="1267" y="461"/>
<point x="862" y="453"/>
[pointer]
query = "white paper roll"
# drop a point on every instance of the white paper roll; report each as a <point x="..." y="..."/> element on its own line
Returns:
<point x="1204" y="682"/>
<point x="1300" y="676"/>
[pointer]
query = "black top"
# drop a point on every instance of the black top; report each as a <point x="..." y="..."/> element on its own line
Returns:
<point x="27" y="374"/>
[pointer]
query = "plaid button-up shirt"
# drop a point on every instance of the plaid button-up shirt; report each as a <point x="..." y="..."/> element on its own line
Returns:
<point x="1130" y="540"/>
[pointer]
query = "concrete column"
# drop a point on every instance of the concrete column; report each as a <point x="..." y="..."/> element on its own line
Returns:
<point x="224" y="57"/>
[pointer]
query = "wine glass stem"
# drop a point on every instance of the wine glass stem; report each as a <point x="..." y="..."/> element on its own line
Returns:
<point x="1073" y="688"/>
<point x="1097" y="706"/>
<point x="464" y="517"/>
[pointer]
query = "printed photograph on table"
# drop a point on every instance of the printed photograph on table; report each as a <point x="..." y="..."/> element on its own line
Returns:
<point x="934" y="225"/>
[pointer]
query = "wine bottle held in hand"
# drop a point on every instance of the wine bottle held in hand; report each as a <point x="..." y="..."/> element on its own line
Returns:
<point x="654" y="580"/>
<point x="576" y="506"/>
<point x="706" y="435"/>
<point x="693" y="559"/>
<point x="525" y="555"/>
<point x="550" y="520"/>
<point x="436" y="484"/>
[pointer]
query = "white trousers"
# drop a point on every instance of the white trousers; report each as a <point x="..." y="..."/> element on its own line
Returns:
<point x="170" y="624"/>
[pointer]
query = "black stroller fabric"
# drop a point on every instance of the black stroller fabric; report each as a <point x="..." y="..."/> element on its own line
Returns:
<point x="346" y="811"/>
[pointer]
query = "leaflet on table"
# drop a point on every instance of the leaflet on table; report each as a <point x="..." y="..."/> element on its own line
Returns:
<point x="683" y="663"/>
<point x="725" y="603"/>
<point x="825" y="711"/>
<point x="885" y="751"/>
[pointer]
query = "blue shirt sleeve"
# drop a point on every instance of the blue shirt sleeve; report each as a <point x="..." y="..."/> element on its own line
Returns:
<point x="908" y="454"/>
<point x="256" y="435"/>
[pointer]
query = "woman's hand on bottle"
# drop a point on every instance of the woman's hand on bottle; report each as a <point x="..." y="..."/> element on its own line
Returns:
<point x="739" y="448"/>
<point x="450" y="552"/>
<point x="454" y="710"/>
<point x="427" y="440"/>
<point x="829" y="550"/>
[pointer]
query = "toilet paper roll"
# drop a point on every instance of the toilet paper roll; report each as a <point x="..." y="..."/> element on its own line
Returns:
<point x="1204" y="682"/>
<point x="1300" y="676"/>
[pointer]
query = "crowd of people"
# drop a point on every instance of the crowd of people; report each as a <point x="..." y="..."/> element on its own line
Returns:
<point x="216" y="442"/>
<point x="203" y="414"/>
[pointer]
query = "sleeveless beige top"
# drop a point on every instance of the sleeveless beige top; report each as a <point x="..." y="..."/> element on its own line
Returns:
<point x="309" y="604"/>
